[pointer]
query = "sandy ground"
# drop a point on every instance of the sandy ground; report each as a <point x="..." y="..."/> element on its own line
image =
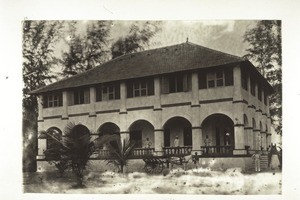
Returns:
<point x="201" y="181"/>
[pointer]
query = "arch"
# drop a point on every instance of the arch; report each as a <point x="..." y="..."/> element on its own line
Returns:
<point x="246" y="123"/>
<point x="177" y="127"/>
<point x="52" y="142"/>
<point x="185" y="116"/>
<point x="253" y="124"/>
<point x="78" y="131"/>
<point x="267" y="130"/>
<point x="219" y="128"/>
<point x="109" y="128"/>
<point x="142" y="131"/>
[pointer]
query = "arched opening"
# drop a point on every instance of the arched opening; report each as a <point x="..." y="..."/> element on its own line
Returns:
<point x="108" y="128"/>
<point x="253" y="124"/>
<point x="142" y="133"/>
<point x="219" y="130"/>
<point x="177" y="127"/>
<point x="78" y="131"/>
<point x="52" y="140"/>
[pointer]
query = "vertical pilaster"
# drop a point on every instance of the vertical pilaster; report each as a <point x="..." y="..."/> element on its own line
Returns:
<point x="239" y="141"/>
<point x="92" y="101"/>
<point x="158" y="141"/>
<point x="157" y="92"/>
<point x="123" y="108"/>
<point x="237" y="92"/>
<point x="40" y="107"/>
<point x="65" y="105"/>
<point x="197" y="140"/>
<point x="195" y="89"/>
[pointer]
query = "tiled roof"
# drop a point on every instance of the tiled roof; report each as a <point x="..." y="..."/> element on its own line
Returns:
<point x="180" y="57"/>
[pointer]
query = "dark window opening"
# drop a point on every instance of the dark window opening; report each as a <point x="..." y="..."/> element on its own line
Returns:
<point x="244" y="80"/>
<point x="136" y="136"/>
<point x="187" y="136"/>
<point x="259" y="95"/>
<point x="202" y="80"/>
<point x="52" y="100"/>
<point x="139" y="88"/>
<point x="228" y="76"/>
<point x="252" y="86"/>
<point x="79" y="96"/>
<point x="108" y="92"/>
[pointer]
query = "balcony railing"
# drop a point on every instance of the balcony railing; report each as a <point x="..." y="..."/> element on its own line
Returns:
<point x="141" y="152"/>
<point x="177" y="151"/>
<point x="217" y="150"/>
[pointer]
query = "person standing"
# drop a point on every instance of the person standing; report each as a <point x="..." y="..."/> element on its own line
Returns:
<point x="207" y="143"/>
<point x="176" y="144"/>
<point x="256" y="157"/>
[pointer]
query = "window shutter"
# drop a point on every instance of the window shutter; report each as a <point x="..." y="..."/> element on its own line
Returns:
<point x="185" y="83"/>
<point x="202" y="80"/>
<point x="87" y="96"/>
<point x="165" y="85"/>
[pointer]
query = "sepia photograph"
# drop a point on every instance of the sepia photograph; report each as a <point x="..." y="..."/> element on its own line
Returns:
<point x="163" y="100"/>
<point x="152" y="107"/>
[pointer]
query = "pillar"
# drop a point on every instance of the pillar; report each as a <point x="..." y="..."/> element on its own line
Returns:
<point x="195" y="89"/>
<point x="239" y="140"/>
<point x="65" y="105"/>
<point x="40" y="107"/>
<point x="257" y="139"/>
<point x="263" y="140"/>
<point x="197" y="140"/>
<point x="123" y="97"/>
<point x="157" y="92"/>
<point x="237" y="92"/>
<point x="92" y="101"/>
<point x="158" y="142"/>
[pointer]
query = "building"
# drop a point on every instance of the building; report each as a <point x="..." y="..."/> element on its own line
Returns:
<point x="215" y="103"/>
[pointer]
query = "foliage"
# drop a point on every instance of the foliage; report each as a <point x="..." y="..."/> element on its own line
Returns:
<point x="38" y="58"/>
<point x="121" y="152"/>
<point x="266" y="52"/>
<point x="85" y="50"/>
<point x="138" y="38"/>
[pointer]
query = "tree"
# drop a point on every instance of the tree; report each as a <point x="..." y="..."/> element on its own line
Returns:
<point x="38" y="58"/>
<point x="265" y="51"/>
<point x="138" y="38"/>
<point x="120" y="152"/>
<point x="87" y="50"/>
<point x="74" y="150"/>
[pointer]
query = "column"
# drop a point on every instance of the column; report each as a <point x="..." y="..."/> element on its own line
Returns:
<point x="257" y="139"/>
<point x="250" y="137"/>
<point x="264" y="140"/>
<point x="195" y="89"/>
<point x="239" y="141"/>
<point x="40" y="107"/>
<point x="92" y="112"/>
<point x="237" y="92"/>
<point x="157" y="92"/>
<point x="65" y="105"/>
<point x="158" y="142"/>
<point x="123" y="108"/>
<point x="197" y="140"/>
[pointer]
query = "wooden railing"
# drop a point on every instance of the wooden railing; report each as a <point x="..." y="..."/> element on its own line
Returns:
<point x="138" y="152"/>
<point x="177" y="150"/>
<point x="217" y="150"/>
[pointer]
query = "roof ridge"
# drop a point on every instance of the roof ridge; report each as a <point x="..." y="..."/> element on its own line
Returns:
<point x="213" y="50"/>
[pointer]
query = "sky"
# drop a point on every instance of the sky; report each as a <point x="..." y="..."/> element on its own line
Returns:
<point x="222" y="35"/>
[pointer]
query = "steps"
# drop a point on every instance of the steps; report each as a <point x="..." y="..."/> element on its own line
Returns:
<point x="263" y="163"/>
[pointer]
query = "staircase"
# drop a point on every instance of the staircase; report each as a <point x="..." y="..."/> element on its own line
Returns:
<point x="263" y="163"/>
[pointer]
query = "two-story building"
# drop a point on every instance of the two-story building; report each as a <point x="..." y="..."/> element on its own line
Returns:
<point x="215" y="103"/>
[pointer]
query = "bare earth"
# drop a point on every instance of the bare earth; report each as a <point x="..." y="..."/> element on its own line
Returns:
<point x="201" y="181"/>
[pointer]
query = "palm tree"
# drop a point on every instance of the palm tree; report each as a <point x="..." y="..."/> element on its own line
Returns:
<point x="75" y="150"/>
<point x="121" y="152"/>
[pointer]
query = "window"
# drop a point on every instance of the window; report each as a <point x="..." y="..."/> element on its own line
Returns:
<point x="202" y="79"/>
<point x="52" y="100"/>
<point x="252" y="86"/>
<point x="217" y="78"/>
<point x="176" y="83"/>
<point x="259" y="92"/>
<point x="139" y="88"/>
<point x="266" y="98"/>
<point x="81" y="96"/>
<point x="108" y="92"/>
<point x="244" y="80"/>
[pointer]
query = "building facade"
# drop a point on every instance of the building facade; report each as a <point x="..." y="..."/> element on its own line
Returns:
<point x="215" y="103"/>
